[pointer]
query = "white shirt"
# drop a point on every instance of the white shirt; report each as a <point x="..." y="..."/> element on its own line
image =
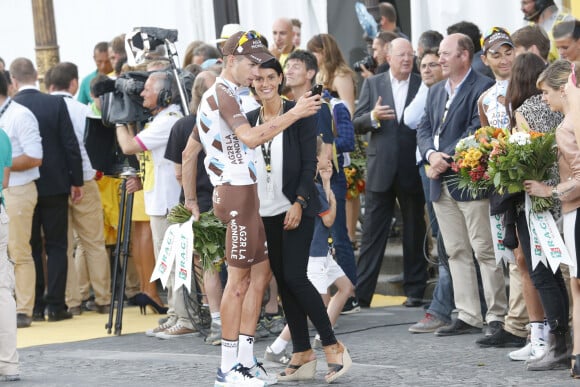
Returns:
<point x="21" y="126"/>
<point x="414" y="111"/>
<point x="78" y="115"/>
<point x="448" y="86"/>
<point x="160" y="186"/>
<point x="400" y="90"/>
<point x="272" y="200"/>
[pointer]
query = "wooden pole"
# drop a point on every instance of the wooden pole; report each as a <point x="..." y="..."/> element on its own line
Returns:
<point x="46" y="48"/>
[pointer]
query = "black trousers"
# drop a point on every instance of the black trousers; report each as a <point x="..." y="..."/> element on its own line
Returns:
<point x="379" y="210"/>
<point x="289" y="253"/>
<point x="49" y="225"/>
<point x="551" y="287"/>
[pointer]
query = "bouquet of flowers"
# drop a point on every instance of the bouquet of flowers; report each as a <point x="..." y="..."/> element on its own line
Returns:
<point x="355" y="172"/>
<point x="355" y="178"/>
<point x="210" y="235"/>
<point x="524" y="156"/>
<point x="471" y="159"/>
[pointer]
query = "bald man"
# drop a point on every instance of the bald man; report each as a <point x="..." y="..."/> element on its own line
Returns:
<point x="283" y="35"/>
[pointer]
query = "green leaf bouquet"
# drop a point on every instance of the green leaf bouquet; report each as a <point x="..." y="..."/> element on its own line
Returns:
<point x="524" y="156"/>
<point x="209" y="235"/>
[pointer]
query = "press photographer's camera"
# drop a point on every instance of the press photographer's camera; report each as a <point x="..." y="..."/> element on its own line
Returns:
<point x="368" y="62"/>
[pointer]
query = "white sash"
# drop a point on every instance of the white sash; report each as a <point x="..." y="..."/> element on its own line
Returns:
<point x="545" y="240"/>
<point x="498" y="235"/>
<point x="184" y="253"/>
<point x="177" y="247"/>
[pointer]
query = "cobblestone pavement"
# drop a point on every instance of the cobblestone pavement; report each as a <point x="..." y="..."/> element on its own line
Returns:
<point x="383" y="352"/>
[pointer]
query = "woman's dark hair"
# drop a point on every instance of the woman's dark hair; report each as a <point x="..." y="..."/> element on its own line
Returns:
<point x="525" y="71"/>
<point x="275" y="65"/>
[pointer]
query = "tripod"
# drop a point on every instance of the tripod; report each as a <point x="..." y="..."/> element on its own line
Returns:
<point x="121" y="251"/>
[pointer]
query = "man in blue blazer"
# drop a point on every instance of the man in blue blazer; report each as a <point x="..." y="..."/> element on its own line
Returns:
<point x="392" y="174"/>
<point x="451" y="114"/>
<point x="61" y="175"/>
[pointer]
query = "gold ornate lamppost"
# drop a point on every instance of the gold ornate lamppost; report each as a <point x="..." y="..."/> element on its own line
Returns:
<point x="44" y="37"/>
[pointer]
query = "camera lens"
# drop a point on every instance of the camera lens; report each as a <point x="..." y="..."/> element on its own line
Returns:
<point x="368" y="62"/>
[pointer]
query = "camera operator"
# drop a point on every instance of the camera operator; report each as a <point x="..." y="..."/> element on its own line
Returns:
<point x="161" y="188"/>
<point x="378" y="62"/>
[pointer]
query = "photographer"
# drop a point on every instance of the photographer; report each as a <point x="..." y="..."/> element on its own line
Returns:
<point x="161" y="188"/>
<point x="378" y="62"/>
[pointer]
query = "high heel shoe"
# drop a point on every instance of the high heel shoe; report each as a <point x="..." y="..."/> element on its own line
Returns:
<point x="143" y="300"/>
<point x="336" y="370"/>
<point x="304" y="371"/>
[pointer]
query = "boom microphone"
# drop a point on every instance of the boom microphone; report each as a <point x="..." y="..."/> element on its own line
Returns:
<point x="103" y="87"/>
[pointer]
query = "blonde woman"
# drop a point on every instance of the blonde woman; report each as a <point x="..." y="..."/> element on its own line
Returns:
<point x="552" y="82"/>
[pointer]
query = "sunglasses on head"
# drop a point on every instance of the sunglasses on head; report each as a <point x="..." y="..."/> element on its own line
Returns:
<point x="491" y="31"/>
<point x="247" y="36"/>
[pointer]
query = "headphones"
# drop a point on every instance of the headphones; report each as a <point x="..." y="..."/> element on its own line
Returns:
<point x="165" y="96"/>
<point x="539" y="7"/>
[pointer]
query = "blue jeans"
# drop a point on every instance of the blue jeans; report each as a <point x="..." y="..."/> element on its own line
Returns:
<point x="427" y="192"/>
<point x="341" y="240"/>
<point x="442" y="304"/>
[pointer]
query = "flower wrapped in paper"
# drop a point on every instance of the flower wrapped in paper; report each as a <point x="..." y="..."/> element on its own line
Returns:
<point x="355" y="179"/>
<point x="471" y="159"/>
<point x="355" y="172"/>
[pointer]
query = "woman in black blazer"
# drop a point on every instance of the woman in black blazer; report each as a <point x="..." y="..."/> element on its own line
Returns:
<point x="286" y="167"/>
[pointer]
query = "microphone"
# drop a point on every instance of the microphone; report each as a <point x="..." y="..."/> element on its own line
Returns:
<point x="103" y="87"/>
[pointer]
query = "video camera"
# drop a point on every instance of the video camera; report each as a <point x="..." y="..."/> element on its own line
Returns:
<point x="121" y="100"/>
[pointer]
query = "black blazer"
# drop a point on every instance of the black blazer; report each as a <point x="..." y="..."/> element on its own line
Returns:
<point x="299" y="164"/>
<point x="391" y="150"/>
<point x="61" y="162"/>
<point x="461" y="121"/>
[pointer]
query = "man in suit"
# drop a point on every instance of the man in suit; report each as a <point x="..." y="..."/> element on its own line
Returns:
<point x="392" y="174"/>
<point x="451" y="114"/>
<point x="61" y="175"/>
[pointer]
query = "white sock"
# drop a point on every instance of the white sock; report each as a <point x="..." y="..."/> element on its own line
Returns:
<point x="229" y="355"/>
<point x="246" y="351"/>
<point x="537" y="331"/>
<point x="216" y="318"/>
<point x="279" y="345"/>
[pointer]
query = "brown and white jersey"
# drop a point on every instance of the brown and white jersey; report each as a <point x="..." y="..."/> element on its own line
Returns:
<point x="228" y="160"/>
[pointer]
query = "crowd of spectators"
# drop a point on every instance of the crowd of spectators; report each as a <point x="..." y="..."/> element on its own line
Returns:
<point x="60" y="207"/>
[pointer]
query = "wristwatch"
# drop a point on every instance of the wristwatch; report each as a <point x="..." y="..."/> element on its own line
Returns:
<point x="302" y="202"/>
